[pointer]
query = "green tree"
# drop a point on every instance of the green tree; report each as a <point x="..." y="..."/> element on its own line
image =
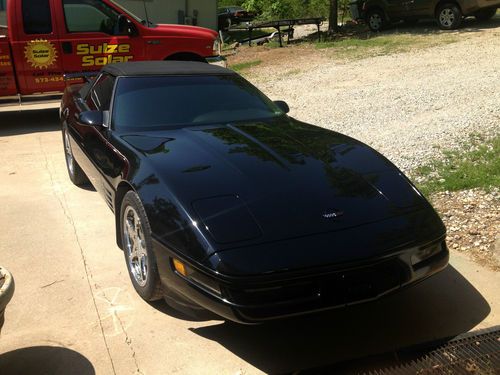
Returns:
<point x="276" y="9"/>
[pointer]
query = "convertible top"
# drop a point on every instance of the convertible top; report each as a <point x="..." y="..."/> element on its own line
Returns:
<point x="160" y="68"/>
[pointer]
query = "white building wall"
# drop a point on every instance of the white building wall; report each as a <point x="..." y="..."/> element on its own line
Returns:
<point x="200" y="12"/>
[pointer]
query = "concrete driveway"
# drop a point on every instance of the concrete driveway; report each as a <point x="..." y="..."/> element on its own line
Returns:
<point x="75" y="311"/>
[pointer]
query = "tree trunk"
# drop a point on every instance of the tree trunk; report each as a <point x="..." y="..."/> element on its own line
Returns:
<point x="332" y="21"/>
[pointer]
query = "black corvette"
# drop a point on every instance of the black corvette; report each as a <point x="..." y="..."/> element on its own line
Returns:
<point x="224" y="202"/>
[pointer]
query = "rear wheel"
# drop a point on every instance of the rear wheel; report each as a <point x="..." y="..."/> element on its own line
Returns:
<point x="485" y="14"/>
<point x="76" y="174"/>
<point x="138" y="248"/>
<point x="449" y="16"/>
<point x="375" y="20"/>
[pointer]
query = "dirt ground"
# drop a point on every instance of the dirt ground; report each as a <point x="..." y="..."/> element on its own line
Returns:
<point x="303" y="53"/>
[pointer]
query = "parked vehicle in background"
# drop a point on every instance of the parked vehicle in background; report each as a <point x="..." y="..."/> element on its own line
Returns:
<point x="448" y="13"/>
<point x="45" y="39"/>
<point x="233" y="15"/>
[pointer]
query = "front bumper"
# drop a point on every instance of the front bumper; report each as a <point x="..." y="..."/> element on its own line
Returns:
<point x="259" y="299"/>
<point x="217" y="60"/>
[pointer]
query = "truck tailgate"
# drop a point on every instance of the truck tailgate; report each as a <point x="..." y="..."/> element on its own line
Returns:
<point x="7" y="80"/>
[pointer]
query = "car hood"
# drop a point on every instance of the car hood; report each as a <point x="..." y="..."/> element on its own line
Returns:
<point x="261" y="181"/>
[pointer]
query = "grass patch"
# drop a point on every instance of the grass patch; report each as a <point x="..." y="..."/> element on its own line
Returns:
<point x="245" y="65"/>
<point x="353" y="48"/>
<point x="476" y="167"/>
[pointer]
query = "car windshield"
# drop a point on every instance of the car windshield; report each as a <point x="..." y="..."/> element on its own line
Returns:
<point x="150" y="102"/>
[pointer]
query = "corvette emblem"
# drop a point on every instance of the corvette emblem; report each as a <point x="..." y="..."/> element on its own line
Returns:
<point x="333" y="214"/>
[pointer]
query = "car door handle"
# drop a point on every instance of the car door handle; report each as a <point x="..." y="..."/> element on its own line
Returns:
<point x="153" y="42"/>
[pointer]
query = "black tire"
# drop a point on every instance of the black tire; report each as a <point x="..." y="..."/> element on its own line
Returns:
<point x="449" y="16"/>
<point x="138" y="248"/>
<point x="375" y="19"/>
<point x="485" y="14"/>
<point x="76" y="174"/>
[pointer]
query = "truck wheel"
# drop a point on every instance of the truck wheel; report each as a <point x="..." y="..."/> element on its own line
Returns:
<point x="449" y="16"/>
<point x="375" y="20"/>
<point x="485" y="14"/>
<point x="138" y="248"/>
<point x="76" y="174"/>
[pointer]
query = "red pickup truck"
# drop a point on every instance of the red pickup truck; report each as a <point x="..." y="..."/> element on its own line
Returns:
<point x="46" y="39"/>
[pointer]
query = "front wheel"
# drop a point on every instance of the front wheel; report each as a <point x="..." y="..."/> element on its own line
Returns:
<point x="138" y="248"/>
<point x="485" y="14"/>
<point x="76" y="174"/>
<point x="449" y="16"/>
<point x="375" y="20"/>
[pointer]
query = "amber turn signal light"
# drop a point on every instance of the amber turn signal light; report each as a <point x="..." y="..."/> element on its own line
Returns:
<point x="179" y="267"/>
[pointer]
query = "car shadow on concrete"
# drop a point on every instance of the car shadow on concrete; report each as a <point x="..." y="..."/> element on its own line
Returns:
<point x="437" y="309"/>
<point x="45" y="360"/>
<point x="29" y="121"/>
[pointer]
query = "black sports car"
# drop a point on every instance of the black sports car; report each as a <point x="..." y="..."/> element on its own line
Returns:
<point x="222" y="201"/>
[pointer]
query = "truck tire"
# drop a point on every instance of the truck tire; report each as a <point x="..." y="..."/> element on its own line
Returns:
<point x="449" y="16"/>
<point x="485" y="14"/>
<point x="76" y="174"/>
<point x="375" y="19"/>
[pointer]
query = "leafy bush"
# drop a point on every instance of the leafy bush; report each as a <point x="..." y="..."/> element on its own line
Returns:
<point x="279" y="9"/>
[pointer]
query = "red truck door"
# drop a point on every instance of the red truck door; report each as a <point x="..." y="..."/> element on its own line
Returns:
<point x="7" y="80"/>
<point x="35" y="47"/>
<point x="93" y="33"/>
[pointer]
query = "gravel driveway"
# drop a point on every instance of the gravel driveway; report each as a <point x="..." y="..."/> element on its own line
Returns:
<point x="405" y="105"/>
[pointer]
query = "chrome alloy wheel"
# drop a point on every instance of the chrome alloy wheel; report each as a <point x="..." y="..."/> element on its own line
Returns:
<point x="68" y="153"/>
<point x="135" y="246"/>
<point x="375" y="21"/>
<point x="447" y="17"/>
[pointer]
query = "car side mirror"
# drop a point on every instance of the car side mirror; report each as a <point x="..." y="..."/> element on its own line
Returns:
<point x="125" y="26"/>
<point x="282" y="105"/>
<point x="91" y="118"/>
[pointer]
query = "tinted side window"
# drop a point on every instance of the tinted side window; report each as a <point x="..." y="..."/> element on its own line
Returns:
<point x="36" y="17"/>
<point x="90" y="16"/>
<point x="100" y="95"/>
<point x="3" y="13"/>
